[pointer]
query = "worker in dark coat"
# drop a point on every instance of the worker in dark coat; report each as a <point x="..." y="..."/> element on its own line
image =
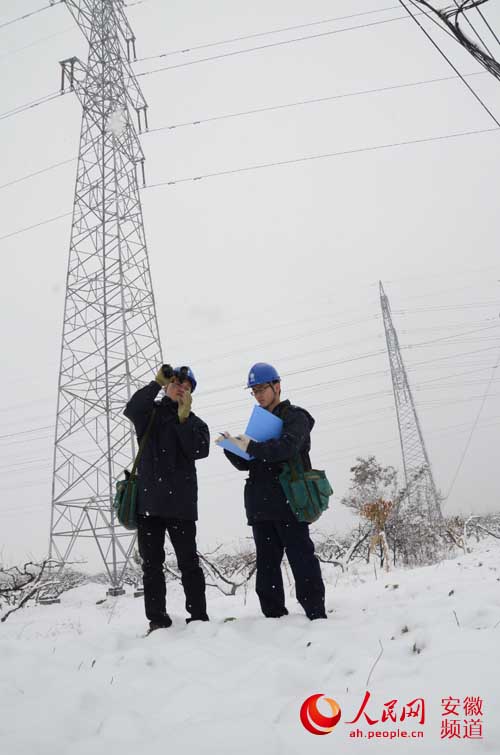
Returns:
<point x="168" y="489"/>
<point x="275" y="528"/>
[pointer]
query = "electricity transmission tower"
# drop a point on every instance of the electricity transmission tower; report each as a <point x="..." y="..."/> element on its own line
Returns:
<point x="110" y="339"/>
<point x="420" y="485"/>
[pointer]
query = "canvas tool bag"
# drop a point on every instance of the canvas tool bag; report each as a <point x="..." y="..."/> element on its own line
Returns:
<point x="125" y="502"/>
<point x="307" y="491"/>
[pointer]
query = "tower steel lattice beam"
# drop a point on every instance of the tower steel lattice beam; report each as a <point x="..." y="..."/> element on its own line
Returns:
<point x="420" y="485"/>
<point x="110" y="339"/>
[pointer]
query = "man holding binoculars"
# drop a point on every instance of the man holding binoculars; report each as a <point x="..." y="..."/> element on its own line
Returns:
<point x="168" y="489"/>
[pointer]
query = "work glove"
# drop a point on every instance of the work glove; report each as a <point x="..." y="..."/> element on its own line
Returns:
<point x="161" y="378"/>
<point x="184" y="406"/>
<point x="241" y="441"/>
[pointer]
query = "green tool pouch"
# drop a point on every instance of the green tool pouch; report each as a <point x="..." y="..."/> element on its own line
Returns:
<point x="307" y="491"/>
<point x="125" y="501"/>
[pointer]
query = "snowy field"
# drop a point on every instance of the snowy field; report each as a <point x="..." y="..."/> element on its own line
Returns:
<point x="79" y="678"/>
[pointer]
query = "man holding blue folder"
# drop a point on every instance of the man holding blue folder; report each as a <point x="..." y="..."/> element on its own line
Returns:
<point x="275" y="528"/>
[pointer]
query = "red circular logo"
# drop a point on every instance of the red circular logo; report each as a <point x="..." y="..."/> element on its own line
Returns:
<point x="314" y="721"/>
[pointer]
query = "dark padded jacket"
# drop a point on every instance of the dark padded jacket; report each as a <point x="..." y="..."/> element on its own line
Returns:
<point x="264" y="497"/>
<point x="167" y="483"/>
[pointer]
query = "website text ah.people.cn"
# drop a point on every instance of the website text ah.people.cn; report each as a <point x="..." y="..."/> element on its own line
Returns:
<point x="385" y="734"/>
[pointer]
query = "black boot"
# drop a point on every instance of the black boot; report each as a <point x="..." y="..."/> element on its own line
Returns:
<point x="277" y="615"/>
<point x="320" y="614"/>
<point x="164" y="624"/>
<point x="204" y="617"/>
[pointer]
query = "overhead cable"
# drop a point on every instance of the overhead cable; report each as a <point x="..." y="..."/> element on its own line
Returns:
<point x="258" y="48"/>
<point x="478" y="9"/>
<point x="35" y="42"/>
<point x="478" y="416"/>
<point x="277" y="164"/>
<point x="37" y="172"/>
<point x="35" y="225"/>
<point x="29" y="105"/>
<point x="452" y="65"/>
<point x="32" y="13"/>
<point x="244" y="113"/>
<point x="299" y="103"/>
<point x="297" y="160"/>
<point x="280" y="30"/>
<point x="474" y="30"/>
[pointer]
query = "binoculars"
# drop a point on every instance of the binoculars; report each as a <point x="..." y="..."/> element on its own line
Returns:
<point x="179" y="372"/>
<point x="168" y="371"/>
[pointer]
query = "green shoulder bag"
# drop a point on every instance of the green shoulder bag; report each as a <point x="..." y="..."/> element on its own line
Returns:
<point x="307" y="491"/>
<point x="125" y="501"/>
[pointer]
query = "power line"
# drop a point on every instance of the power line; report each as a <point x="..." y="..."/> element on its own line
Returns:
<point x="29" y="105"/>
<point x="453" y="356"/>
<point x="254" y="111"/>
<point x="24" y="432"/>
<point x="478" y="416"/>
<point x="446" y="307"/>
<point x="474" y="30"/>
<point x="270" y="45"/>
<point x="443" y="54"/>
<point x="455" y="374"/>
<point x="487" y="24"/>
<point x="32" y="13"/>
<point x="37" y="172"/>
<point x="422" y="12"/>
<point x="454" y="335"/>
<point x="321" y="384"/>
<point x="465" y="272"/>
<point x="265" y="33"/>
<point x="277" y="164"/>
<point x="356" y="358"/>
<point x="491" y="422"/>
<point x="289" y="373"/>
<point x="300" y="103"/>
<point x="18" y="466"/>
<point x="35" y="225"/>
<point x="286" y="339"/>
<point x="342" y="401"/>
<point x="297" y="160"/>
<point x="444" y="15"/>
<point x="35" y="42"/>
<point x="438" y="403"/>
<point x="335" y="327"/>
<point x="335" y="454"/>
<point x="47" y="98"/>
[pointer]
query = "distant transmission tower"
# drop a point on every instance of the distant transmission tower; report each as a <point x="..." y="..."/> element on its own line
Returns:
<point x="418" y="473"/>
<point x="110" y="338"/>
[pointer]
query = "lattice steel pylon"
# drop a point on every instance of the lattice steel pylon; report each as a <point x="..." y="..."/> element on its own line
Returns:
<point x="110" y="339"/>
<point x="420" y="484"/>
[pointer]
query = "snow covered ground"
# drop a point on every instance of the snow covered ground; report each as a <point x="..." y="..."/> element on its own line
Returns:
<point x="80" y="679"/>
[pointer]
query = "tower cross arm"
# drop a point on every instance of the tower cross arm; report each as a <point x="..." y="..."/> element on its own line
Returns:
<point x="73" y="73"/>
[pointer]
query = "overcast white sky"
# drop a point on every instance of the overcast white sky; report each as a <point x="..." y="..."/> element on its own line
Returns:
<point x="277" y="264"/>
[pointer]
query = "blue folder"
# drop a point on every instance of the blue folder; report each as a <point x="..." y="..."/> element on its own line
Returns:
<point x="261" y="426"/>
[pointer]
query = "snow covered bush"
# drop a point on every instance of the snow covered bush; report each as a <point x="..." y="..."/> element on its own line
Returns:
<point x="406" y="530"/>
<point x="19" y="585"/>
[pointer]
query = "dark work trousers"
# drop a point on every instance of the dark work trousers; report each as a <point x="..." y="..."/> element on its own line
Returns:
<point x="272" y="539"/>
<point x="151" y="540"/>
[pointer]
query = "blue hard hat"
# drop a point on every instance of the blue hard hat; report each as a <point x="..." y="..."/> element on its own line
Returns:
<point x="187" y="372"/>
<point x="261" y="372"/>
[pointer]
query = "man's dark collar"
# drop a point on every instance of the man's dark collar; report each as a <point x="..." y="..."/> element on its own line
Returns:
<point x="279" y="408"/>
